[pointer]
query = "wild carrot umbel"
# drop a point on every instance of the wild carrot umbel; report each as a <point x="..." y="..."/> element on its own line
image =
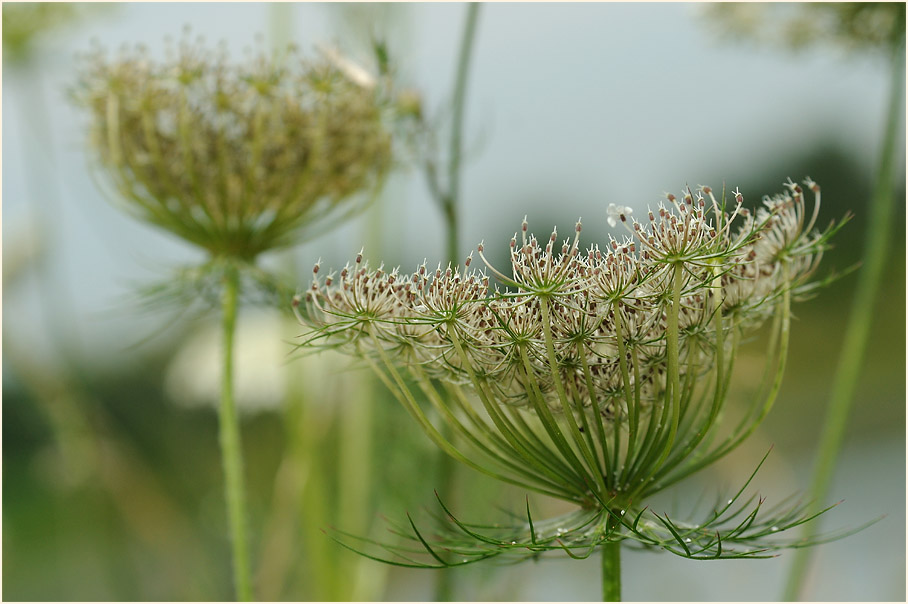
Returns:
<point x="596" y="376"/>
<point x="237" y="159"/>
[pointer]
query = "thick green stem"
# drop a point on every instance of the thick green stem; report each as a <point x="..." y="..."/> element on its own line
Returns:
<point x="851" y="360"/>
<point x="231" y="451"/>
<point x="611" y="572"/>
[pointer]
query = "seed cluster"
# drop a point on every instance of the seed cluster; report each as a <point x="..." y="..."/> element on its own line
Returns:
<point x="592" y="323"/>
<point x="233" y="157"/>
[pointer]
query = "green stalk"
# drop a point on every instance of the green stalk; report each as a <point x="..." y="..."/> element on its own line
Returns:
<point x="628" y="395"/>
<point x="593" y="475"/>
<point x="854" y="347"/>
<point x="647" y="463"/>
<point x="611" y="572"/>
<point x="231" y="452"/>
<point x="354" y="486"/>
<point x="449" y="203"/>
<point x="672" y="409"/>
<point x="674" y="368"/>
<point x="313" y="433"/>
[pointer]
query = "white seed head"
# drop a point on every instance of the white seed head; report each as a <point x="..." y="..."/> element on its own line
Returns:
<point x="452" y="325"/>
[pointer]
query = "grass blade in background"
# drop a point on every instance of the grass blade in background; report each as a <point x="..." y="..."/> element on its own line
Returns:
<point x="854" y="347"/>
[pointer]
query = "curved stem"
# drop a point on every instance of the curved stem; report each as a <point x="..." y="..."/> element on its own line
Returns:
<point x="231" y="451"/>
<point x="858" y="330"/>
<point x="611" y="572"/>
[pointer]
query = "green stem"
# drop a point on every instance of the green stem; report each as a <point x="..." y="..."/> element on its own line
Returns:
<point x="672" y="380"/>
<point x="449" y="203"/>
<point x="231" y="452"/>
<point x="674" y="368"/>
<point x="611" y="572"/>
<point x="854" y="347"/>
<point x="355" y="477"/>
<point x="628" y="395"/>
<point x="592" y="475"/>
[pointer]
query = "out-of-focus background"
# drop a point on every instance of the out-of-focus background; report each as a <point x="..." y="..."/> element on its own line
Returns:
<point x="111" y="475"/>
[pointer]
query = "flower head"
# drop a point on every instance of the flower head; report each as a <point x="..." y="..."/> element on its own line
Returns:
<point x="602" y="374"/>
<point x="234" y="158"/>
<point x="588" y="306"/>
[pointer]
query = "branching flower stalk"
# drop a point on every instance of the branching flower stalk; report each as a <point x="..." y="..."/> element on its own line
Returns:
<point x="237" y="159"/>
<point x="596" y="377"/>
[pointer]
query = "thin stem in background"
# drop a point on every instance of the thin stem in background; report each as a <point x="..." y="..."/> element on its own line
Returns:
<point x="231" y="451"/>
<point x="355" y="469"/>
<point x="312" y="435"/>
<point x="450" y="202"/>
<point x="879" y="233"/>
<point x="611" y="572"/>
<point x="43" y="189"/>
<point x="302" y="500"/>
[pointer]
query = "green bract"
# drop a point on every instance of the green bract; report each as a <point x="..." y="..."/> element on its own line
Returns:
<point x="234" y="158"/>
<point x="599" y="376"/>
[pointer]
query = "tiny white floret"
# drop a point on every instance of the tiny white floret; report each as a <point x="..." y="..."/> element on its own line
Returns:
<point x="617" y="214"/>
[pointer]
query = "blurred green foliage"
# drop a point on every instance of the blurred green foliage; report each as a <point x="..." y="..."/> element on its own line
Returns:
<point x="26" y="23"/>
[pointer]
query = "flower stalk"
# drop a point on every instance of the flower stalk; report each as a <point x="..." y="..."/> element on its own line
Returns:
<point x="231" y="447"/>
<point x="450" y="201"/>
<point x="611" y="572"/>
